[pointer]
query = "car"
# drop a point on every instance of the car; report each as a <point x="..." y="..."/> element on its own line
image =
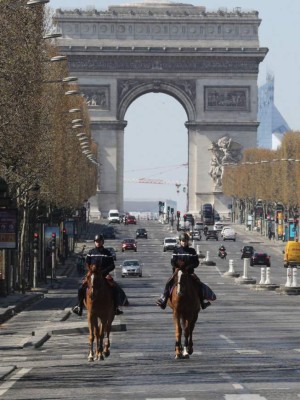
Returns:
<point x="224" y="229"/>
<point x="112" y="251"/>
<point x="199" y="226"/>
<point x="195" y="235"/>
<point x="141" y="233"/>
<point x="131" y="268"/>
<point x="260" y="259"/>
<point x="109" y="232"/>
<point x="218" y="226"/>
<point x="169" y="243"/>
<point x="129" y="244"/>
<point x="229" y="234"/>
<point x="247" y="252"/>
<point x="212" y="235"/>
<point x="131" y="220"/>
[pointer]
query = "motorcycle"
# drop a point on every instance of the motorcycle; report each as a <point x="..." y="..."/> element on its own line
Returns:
<point x="222" y="254"/>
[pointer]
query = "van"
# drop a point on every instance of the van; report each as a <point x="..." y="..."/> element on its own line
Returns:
<point x="291" y="254"/>
<point x="113" y="216"/>
<point x="229" y="234"/>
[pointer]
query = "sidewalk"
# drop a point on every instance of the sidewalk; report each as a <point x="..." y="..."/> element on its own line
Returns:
<point x="16" y="302"/>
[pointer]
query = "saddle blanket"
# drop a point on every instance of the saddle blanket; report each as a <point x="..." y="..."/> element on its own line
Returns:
<point x="208" y="294"/>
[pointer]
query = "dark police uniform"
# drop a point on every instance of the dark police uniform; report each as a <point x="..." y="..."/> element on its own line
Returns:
<point x="190" y="257"/>
<point x="102" y="258"/>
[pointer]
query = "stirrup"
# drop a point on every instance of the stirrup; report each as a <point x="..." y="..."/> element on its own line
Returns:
<point x="77" y="310"/>
<point x="162" y="302"/>
<point x="118" y="311"/>
<point x="205" y="305"/>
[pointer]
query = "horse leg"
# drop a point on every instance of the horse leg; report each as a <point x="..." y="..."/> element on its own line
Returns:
<point x="190" y="336"/>
<point x="187" y="333"/>
<point x="178" y="333"/>
<point x="99" y="341"/>
<point x="91" y="338"/>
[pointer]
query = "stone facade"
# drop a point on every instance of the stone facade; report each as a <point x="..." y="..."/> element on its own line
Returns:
<point x="207" y="61"/>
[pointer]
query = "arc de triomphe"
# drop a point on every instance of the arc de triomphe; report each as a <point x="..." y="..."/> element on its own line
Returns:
<point x="208" y="61"/>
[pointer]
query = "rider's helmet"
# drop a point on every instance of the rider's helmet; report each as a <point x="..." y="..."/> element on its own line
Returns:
<point x="99" y="237"/>
<point x="184" y="237"/>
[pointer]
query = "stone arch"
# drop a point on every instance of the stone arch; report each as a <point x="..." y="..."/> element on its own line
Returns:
<point x="172" y="89"/>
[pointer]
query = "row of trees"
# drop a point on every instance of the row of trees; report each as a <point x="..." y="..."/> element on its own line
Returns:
<point x="41" y="156"/>
<point x="272" y="176"/>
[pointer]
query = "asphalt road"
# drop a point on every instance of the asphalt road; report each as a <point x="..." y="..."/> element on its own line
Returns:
<point x="246" y="345"/>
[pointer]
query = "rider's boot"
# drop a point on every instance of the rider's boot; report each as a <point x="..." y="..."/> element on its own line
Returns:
<point x="79" y="307"/>
<point x="203" y="304"/>
<point x="163" y="300"/>
<point x="116" y="301"/>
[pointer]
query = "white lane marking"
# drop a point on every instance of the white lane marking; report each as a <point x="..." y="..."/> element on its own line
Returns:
<point x="127" y="355"/>
<point x="166" y="398"/>
<point x="244" y="397"/>
<point x="237" y="386"/>
<point x="227" y="339"/>
<point x="247" y="351"/>
<point x="9" y="383"/>
<point x="219" y="272"/>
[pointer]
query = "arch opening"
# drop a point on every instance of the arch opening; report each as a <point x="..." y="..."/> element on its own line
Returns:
<point x="160" y="141"/>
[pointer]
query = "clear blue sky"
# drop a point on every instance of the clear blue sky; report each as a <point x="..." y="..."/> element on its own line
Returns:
<point x="164" y="142"/>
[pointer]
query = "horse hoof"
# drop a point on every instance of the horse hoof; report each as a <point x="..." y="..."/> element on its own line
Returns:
<point x="101" y="357"/>
<point x="178" y="356"/>
<point x="90" y="359"/>
<point x="107" y="353"/>
<point x="186" y="356"/>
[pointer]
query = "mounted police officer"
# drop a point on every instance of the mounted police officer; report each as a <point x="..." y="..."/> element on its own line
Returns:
<point x="187" y="258"/>
<point x="104" y="261"/>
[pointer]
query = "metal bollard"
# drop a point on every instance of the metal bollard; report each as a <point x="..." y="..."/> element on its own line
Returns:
<point x="198" y="249"/>
<point x="193" y="243"/>
<point x="246" y="266"/>
<point x="262" y="276"/>
<point x="268" y="276"/>
<point x="294" y="283"/>
<point x="289" y="277"/>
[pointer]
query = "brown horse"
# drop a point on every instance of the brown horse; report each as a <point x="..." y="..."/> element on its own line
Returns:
<point x="100" y="313"/>
<point x="185" y="304"/>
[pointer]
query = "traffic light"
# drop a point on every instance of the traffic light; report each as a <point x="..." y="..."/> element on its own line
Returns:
<point x="53" y="241"/>
<point x="168" y="209"/>
<point x="178" y="214"/>
<point x="36" y="241"/>
<point x="172" y="210"/>
<point x="184" y="217"/>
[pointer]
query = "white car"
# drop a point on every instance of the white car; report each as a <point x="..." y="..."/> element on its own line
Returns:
<point x="229" y="234"/>
<point x="218" y="226"/>
<point x="169" y="243"/>
<point x="224" y="229"/>
<point x="131" y="268"/>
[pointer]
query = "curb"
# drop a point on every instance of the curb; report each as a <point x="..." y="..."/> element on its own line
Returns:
<point x="20" y="306"/>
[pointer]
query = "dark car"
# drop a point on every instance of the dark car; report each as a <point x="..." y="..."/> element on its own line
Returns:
<point x="247" y="252"/>
<point x="212" y="235"/>
<point x="129" y="244"/>
<point x="260" y="259"/>
<point x="131" y="220"/>
<point x="109" y="232"/>
<point x="141" y="233"/>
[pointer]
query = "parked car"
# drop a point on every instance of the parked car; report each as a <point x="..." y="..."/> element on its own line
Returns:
<point x="130" y="220"/>
<point x="247" y="252"/>
<point x="229" y="234"/>
<point x="260" y="259"/>
<point x="131" y="268"/>
<point x="112" y="251"/>
<point x="141" y="233"/>
<point x="212" y="235"/>
<point x="169" y="243"/>
<point x="129" y="244"/>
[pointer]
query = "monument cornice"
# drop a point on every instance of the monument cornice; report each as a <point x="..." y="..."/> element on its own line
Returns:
<point x="103" y="125"/>
<point x="164" y="63"/>
<point x="239" y="126"/>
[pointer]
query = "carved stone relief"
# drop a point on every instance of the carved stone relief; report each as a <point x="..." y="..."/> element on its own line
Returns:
<point x="223" y="98"/>
<point x="169" y="64"/>
<point x="97" y="96"/>
<point x="224" y="151"/>
<point x="187" y="86"/>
